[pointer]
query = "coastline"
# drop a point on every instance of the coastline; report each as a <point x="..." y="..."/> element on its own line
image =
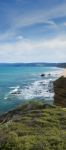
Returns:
<point x="64" y="73"/>
<point x="41" y="88"/>
<point x="34" y="125"/>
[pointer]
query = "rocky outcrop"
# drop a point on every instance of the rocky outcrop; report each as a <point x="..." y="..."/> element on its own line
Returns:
<point x="42" y="75"/>
<point x="60" y="92"/>
<point x="48" y="75"/>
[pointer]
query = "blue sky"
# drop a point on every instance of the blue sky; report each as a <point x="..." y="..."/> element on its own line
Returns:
<point x="32" y="30"/>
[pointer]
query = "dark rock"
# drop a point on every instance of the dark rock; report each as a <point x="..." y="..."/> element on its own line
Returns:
<point x="23" y="109"/>
<point x="42" y="75"/>
<point x="46" y="106"/>
<point x="16" y="93"/>
<point x="60" y="92"/>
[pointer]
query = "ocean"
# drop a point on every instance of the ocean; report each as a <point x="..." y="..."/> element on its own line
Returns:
<point x="18" y="84"/>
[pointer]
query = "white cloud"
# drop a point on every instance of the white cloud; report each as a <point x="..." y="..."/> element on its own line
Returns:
<point x="7" y="35"/>
<point x="24" y="50"/>
<point x="27" y="18"/>
<point x="40" y="16"/>
<point x="53" y="49"/>
<point x="65" y="24"/>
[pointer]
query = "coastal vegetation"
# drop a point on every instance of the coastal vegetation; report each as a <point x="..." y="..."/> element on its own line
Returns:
<point x="33" y="126"/>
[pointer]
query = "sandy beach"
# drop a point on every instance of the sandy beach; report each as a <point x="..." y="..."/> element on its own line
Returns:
<point x="64" y="73"/>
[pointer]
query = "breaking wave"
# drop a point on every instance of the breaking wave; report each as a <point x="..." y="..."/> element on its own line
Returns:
<point x="38" y="89"/>
<point x="43" y="88"/>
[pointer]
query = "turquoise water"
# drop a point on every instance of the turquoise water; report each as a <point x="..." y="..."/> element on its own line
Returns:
<point x="19" y="84"/>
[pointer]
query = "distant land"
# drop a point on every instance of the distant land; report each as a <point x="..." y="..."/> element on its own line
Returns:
<point x="39" y="64"/>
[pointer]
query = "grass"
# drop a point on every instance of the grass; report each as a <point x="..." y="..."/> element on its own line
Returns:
<point x="34" y="127"/>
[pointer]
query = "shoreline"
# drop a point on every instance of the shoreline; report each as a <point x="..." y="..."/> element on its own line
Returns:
<point x="64" y="73"/>
<point x="55" y="74"/>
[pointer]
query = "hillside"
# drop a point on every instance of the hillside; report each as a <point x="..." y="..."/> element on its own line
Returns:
<point x="33" y="126"/>
<point x="60" y="91"/>
<point x="62" y="65"/>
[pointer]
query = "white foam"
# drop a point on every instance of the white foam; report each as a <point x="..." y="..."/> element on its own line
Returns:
<point x="42" y="88"/>
<point x="6" y="97"/>
<point x="54" y="74"/>
<point x="14" y="92"/>
<point x="15" y="87"/>
<point x="38" y="89"/>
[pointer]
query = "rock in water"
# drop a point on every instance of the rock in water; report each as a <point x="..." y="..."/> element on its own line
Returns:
<point x="42" y="75"/>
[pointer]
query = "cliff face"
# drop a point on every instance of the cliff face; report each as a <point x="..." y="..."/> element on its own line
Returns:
<point x="60" y="92"/>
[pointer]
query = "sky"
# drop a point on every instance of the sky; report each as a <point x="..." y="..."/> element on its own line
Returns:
<point x="32" y="31"/>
